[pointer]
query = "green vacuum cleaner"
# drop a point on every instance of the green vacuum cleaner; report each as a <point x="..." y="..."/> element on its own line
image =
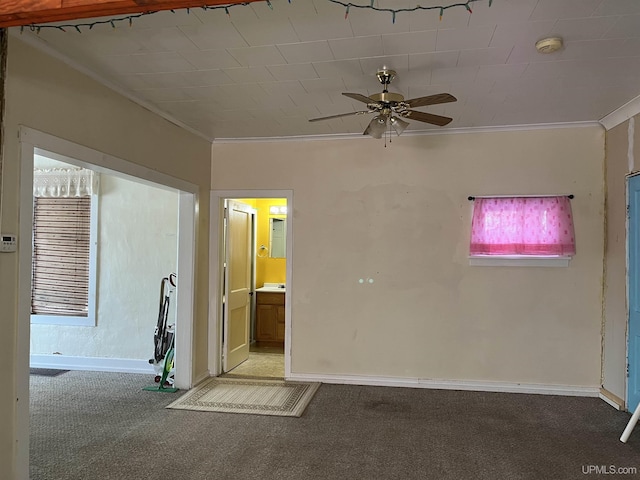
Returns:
<point x="164" y="340"/>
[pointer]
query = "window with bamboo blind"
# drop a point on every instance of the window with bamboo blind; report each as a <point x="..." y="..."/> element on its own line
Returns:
<point x="61" y="254"/>
<point x="64" y="257"/>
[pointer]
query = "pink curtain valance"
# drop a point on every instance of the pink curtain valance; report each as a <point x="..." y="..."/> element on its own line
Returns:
<point x="522" y="226"/>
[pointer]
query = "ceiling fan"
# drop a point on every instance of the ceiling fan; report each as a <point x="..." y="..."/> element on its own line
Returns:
<point x="390" y="108"/>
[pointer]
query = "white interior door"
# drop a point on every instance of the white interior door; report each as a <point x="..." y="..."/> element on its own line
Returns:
<point x="237" y="305"/>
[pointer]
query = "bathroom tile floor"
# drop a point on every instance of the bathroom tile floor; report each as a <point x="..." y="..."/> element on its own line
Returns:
<point x="263" y="362"/>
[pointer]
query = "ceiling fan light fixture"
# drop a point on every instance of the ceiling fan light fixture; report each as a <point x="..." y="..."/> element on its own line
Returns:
<point x="398" y="125"/>
<point x="377" y="126"/>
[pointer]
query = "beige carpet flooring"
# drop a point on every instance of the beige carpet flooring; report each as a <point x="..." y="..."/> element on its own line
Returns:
<point x="103" y="426"/>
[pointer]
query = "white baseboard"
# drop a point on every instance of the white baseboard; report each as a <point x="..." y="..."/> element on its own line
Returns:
<point x="96" y="364"/>
<point x="100" y="364"/>
<point x="506" y="387"/>
<point x="612" y="399"/>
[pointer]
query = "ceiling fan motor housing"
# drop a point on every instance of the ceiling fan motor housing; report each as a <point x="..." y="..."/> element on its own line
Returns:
<point x="387" y="97"/>
<point x="386" y="76"/>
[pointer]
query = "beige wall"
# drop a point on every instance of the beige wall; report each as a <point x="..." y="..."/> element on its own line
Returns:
<point x="44" y="94"/>
<point x="400" y="215"/>
<point x="616" y="310"/>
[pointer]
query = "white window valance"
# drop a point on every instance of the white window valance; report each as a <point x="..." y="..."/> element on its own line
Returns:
<point x="64" y="182"/>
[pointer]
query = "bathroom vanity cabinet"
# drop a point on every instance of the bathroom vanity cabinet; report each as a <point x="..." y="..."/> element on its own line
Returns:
<point x="270" y="318"/>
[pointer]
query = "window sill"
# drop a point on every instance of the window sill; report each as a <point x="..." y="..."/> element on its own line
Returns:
<point x="63" y="320"/>
<point x="517" y="261"/>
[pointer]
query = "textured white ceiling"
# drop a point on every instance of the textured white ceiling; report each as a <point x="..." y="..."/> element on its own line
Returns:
<point x="264" y="72"/>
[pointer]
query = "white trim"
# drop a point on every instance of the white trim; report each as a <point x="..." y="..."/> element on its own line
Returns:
<point x="216" y="260"/>
<point x="45" y="48"/>
<point x="95" y="364"/>
<point x="90" y="319"/>
<point x="23" y="335"/>
<point x="412" y="133"/>
<point x="254" y="265"/>
<point x="517" y="261"/>
<point x="185" y="290"/>
<point x="631" y="130"/>
<point x="622" y="114"/>
<point x="610" y="401"/>
<point x="506" y="387"/>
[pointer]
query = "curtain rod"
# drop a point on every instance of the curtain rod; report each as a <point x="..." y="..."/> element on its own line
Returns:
<point x="470" y="198"/>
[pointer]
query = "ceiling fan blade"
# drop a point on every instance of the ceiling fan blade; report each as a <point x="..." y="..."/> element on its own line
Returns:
<point x="359" y="97"/>
<point x="339" y="115"/>
<point x="431" y="100"/>
<point x="376" y="126"/>
<point x="427" y="117"/>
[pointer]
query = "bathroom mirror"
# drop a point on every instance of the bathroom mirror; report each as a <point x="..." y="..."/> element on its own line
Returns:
<point x="278" y="237"/>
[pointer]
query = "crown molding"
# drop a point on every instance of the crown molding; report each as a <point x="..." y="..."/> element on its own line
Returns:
<point x="622" y="114"/>
<point x="412" y="133"/>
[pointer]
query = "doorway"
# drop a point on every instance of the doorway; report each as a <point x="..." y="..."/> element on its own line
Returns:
<point x="98" y="230"/>
<point x="31" y="141"/>
<point x="254" y="286"/>
<point x="268" y="296"/>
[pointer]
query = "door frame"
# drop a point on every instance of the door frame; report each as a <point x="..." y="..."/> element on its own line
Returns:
<point x="216" y="272"/>
<point x="30" y="140"/>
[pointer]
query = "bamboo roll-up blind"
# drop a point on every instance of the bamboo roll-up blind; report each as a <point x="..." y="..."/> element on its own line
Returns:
<point x="61" y="235"/>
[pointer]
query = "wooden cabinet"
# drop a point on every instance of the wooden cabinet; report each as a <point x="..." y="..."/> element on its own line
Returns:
<point x="270" y="318"/>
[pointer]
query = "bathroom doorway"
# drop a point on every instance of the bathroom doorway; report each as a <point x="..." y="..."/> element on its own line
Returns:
<point x="265" y="326"/>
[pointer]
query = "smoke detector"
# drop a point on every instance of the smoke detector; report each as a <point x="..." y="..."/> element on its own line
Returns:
<point x="549" y="45"/>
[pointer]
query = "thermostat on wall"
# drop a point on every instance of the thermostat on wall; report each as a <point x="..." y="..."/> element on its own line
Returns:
<point x="9" y="243"/>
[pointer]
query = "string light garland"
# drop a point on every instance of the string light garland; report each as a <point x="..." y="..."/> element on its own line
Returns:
<point x="347" y="6"/>
<point x="395" y="11"/>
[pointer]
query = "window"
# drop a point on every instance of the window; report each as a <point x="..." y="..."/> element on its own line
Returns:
<point x="63" y="266"/>
<point x="522" y="228"/>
